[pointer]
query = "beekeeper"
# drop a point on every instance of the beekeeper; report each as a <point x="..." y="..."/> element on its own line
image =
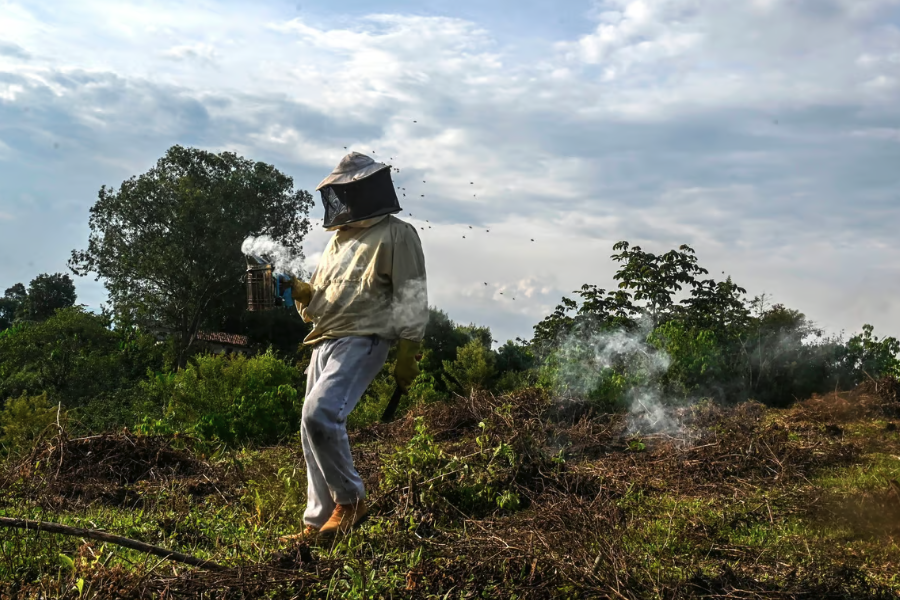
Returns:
<point x="367" y="293"/>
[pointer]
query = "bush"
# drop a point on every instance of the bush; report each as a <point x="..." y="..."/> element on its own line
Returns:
<point x="23" y="419"/>
<point x="111" y="411"/>
<point x="511" y="381"/>
<point x="696" y="356"/>
<point x="375" y="398"/>
<point x="231" y="399"/>
<point x="424" y="390"/>
<point x="74" y="357"/>
<point x="472" y="370"/>
<point x="576" y="370"/>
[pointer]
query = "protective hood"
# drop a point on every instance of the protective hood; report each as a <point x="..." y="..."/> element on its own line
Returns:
<point x="359" y="189"/>
<point x="353" y="167"/>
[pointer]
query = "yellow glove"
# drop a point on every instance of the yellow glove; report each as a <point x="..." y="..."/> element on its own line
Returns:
<point x="407" y="368"/>
<point x="300" y="291"/>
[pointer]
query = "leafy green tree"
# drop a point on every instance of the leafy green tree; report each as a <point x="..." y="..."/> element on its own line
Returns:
<point x="868" y="356"/>
<point x="48" y="293"/>
<point x="599" y="311"/>
<point x="705" y="336"/>
<point x="167" y="243"/>
<point x="513" y="356"/>
<point x="442" y="339"/>
<point x="716" y="306"/>
<point x="697" y="358"/>
<point x="472" y="331"/>
<point x="11" y="304"/>
<point x="653" y="278"/>
<point x="786" y="357"/>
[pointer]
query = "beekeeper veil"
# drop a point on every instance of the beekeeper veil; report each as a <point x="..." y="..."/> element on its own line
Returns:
<point x="357" y="190"/>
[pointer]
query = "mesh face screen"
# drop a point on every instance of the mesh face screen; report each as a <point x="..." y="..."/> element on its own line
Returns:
<point x="363" y="199"/>
<point x="335" y="211"/>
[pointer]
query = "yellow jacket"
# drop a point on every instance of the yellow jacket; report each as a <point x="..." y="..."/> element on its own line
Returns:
<point x="369" y="281"/>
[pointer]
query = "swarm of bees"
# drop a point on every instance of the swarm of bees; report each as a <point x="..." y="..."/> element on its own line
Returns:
<point x="422" y="228"/>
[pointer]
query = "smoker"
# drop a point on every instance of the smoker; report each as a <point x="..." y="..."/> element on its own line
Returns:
<point x="266" y="290"/>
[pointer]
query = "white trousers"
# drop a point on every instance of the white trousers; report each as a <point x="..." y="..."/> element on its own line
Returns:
<point x="338" y="375"/>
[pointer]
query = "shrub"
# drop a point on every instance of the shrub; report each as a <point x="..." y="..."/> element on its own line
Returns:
<point x="511" y="381"/>
<point x="73" y="356"/>
<point x="696" y="356"/>
<point x="232" y="399"/>
<point x="375" y="398"/>
<point x="23" y="419"/>
<point x="378" y="394"/>
<point x="472" y="370"/>
<point x="424" y="390"/>
<point x="572" y="372"/>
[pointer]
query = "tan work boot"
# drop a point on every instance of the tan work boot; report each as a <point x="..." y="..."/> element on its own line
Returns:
<point x="308" y="533"/>
<point x="344" y="518"/>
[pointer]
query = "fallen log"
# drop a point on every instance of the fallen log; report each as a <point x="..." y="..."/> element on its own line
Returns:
<point x="102" y="536"/>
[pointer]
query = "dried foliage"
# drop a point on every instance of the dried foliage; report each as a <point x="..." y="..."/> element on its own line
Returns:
<point x="602" y="513"/>
<point x="115" y="469"/>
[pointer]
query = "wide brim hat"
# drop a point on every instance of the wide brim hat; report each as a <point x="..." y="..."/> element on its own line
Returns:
<point x="353" y="167"/>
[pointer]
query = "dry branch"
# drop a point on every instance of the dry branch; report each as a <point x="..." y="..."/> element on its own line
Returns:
<point x="102" y="536"/>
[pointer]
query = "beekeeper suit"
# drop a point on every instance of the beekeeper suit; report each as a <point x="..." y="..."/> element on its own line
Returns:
<point x="367" y="292"/>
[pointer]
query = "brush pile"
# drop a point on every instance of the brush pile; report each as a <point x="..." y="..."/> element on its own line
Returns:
<point x="113" y="469"/>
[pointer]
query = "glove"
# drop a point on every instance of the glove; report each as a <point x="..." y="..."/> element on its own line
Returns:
<point x="300" y="291"/>
<point x="407" y="368"/>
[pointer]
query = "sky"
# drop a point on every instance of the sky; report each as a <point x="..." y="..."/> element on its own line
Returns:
<point x="765" y="134"/>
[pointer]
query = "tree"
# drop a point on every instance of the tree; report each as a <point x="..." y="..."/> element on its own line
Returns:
<point x="168" y="242"/>
<point x="867" y="355"/>
<point x="719" y="306"/>
<point x="74" y="357"/>
<point x="656" y="278"/>
<point x="599" y="311"/>
<point x="785" y="356"/>
<point x="11" y="305"/>
<point x="46" y="294"/>
<point x="442" y="338"/>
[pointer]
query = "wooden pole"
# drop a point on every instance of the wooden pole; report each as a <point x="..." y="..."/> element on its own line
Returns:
<point x="112" y="539"/>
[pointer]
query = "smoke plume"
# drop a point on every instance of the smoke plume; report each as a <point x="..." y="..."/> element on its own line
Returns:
<point x="587" y="360"/>
<point x="409" y="309"/>
<point x="284" y="260"/>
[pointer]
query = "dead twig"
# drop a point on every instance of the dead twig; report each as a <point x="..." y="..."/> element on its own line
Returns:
<point x="102" y="536"/>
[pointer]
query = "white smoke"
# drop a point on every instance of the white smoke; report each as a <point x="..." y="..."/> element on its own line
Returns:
<point x="409" y="309"/>
<point x="284" y="260"/>
<point x="587" y="360"/>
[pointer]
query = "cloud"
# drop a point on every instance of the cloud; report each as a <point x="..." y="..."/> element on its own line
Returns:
<point x="880" y="133"/>
<point x="5" y="151"/>
<point x="203" y="53"/>
<point x="690" y="55"/>
<point x="13" y="51"/>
